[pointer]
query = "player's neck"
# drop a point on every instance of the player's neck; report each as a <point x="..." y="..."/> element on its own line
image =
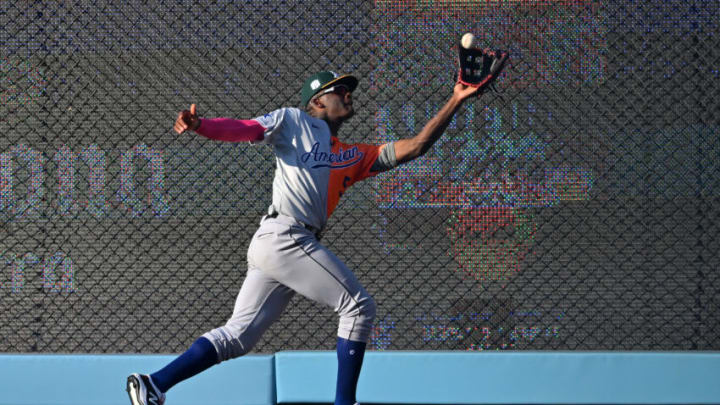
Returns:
<point x="334" y="126"/>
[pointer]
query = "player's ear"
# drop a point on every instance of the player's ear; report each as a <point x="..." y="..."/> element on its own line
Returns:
<point x="317" y="102"/>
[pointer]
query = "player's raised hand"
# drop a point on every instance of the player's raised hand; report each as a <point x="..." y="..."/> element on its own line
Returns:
<point x="187" y="120"/>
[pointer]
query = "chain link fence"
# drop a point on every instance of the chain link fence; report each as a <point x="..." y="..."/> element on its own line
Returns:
<point x="575" y="210"/>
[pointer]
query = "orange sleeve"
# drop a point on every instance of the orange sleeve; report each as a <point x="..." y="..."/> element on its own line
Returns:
<point x="371" y="153"/>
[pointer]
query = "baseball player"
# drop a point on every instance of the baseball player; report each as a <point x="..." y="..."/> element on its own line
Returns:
<point x="285" y="256"/>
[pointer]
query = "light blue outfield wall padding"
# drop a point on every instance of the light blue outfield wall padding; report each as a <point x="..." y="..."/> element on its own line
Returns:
<point x="387" y="377"/>
<point x="508" y="377"/>
<point x="100" y="380"/>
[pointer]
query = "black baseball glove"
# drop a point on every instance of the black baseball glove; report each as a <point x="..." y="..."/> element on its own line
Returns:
<point x="480" y="67"/>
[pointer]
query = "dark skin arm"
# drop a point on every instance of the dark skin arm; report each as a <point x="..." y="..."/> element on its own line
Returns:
<point x="412" y="148"/>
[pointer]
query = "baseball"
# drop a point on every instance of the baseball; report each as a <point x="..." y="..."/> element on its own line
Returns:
<point x="467" y="40"/>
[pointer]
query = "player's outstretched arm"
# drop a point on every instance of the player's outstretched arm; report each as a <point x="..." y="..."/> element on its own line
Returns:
<point x="412" y="148"/>
<point x="220" y="129"/>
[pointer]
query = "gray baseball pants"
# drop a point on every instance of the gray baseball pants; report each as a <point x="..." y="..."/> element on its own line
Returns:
<point x="284" y="258"/>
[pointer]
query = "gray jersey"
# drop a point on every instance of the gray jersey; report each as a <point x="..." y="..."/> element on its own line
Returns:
<point x="313" y="167"/>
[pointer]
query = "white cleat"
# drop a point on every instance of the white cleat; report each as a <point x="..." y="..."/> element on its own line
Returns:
<point x="142" y="391"/>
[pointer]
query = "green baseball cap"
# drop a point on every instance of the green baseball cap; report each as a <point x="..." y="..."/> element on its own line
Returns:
<point x="323" y="80"/>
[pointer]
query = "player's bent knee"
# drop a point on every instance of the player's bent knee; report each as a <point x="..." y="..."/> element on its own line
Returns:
<point x="228" y="343"/>
<point x="357" y="324"/>
<point x="368" y="309"/>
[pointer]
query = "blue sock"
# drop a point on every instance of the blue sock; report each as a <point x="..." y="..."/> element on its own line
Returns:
<point x="350" y="357"/>
<point x="199" y="357"/>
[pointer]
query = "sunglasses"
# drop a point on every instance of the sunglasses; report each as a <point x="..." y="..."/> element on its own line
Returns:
<point x="339" y="89"/>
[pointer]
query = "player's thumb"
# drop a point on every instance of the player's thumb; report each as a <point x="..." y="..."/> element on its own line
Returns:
<point x="193" y="110"/>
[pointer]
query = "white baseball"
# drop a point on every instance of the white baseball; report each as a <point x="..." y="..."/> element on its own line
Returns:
<point x="467" y="40"/>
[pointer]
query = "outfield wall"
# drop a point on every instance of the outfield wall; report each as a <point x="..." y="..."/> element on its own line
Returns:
<point x="403" y="377"/>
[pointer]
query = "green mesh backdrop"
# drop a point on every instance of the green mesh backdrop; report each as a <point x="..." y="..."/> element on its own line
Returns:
<point x="576" y="209"/>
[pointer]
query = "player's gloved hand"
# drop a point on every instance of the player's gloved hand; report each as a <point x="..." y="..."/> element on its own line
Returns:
<point x="187" y="120"/>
